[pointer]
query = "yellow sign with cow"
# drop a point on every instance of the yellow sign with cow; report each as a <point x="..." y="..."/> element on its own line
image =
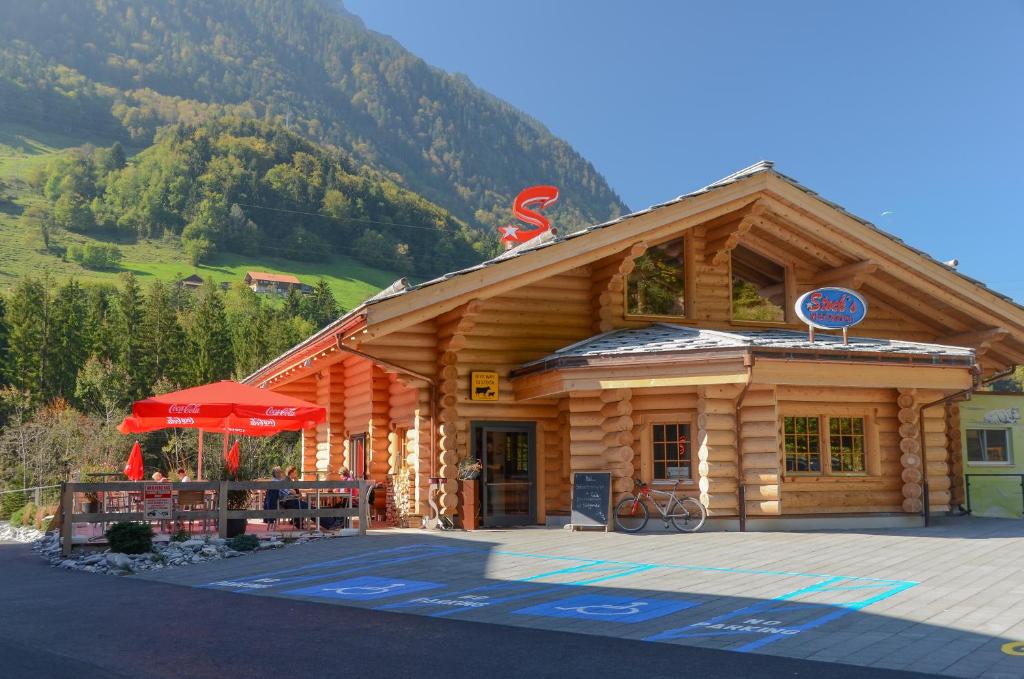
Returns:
<point x="483" y="386"/>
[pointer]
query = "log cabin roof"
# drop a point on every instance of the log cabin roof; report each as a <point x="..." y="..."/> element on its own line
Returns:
<point x="439" y="294"/>
<point x="660" y="339"/>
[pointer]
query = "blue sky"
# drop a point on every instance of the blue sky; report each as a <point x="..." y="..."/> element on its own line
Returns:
<point x="909" y="114"/>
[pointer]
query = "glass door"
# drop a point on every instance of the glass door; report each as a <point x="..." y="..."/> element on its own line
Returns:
<point x="506" y="451"/>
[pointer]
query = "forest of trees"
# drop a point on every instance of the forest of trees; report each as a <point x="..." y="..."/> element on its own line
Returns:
<point x="73" y="358"/>
<point x="124" y="68"/>
<point x="252" y="188"/>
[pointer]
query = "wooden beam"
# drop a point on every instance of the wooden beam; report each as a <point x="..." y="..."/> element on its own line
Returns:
<point x="722" y="241"/>
<point x="856" y="374"/>
<point x="849" y="275"/>
<point x="975" y="338"/>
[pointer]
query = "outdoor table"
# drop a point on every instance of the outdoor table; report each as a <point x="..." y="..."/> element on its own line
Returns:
<point x="330" y="495"/>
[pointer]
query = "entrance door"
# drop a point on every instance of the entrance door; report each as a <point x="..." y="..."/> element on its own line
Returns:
<point x="507" y="482"/>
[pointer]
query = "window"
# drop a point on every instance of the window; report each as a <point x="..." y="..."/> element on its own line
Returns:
<point x="846" y="443"/>
<point x="656" y="285"/>
<point x="845" y="439"/>
<point x="802" y="443"/>
<point x="758" y="287"/>
<point x="671" y="451"/>
<point x="989" y="446"/>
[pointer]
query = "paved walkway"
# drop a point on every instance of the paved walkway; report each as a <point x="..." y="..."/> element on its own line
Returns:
<point x="944" y="600"/>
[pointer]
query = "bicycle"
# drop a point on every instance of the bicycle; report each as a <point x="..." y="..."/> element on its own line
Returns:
<point x="686" y="514"/>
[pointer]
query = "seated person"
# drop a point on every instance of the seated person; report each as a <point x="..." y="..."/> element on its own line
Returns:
<point x="158" y="477"/>
<point x="288" y="498"/>
<point x="183" y="476"/>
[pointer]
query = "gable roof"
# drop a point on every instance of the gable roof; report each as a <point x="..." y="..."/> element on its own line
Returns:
<point x="357" y="317"/>
<point x="668" y="338"/>
<point x="272" y="277"/>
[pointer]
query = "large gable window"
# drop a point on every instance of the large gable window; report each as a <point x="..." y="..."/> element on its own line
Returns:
<point x="758" y="287"/>
<point x="656" y="285"/>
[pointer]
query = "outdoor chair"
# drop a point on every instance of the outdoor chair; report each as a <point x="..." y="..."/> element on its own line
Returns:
<point x="191" y="500"/>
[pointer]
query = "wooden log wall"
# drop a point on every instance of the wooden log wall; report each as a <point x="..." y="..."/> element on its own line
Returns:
<point x="323" y="430"/>
<point x="409" y="412"/>
<point x="336" y="419"/>
<point x="910" y="449"/>
<point x="936" y="450"/>
<point x="358" y="403"/>
<point x="661" y="405"/>
<point x="608" y="287"/>
<point x="716" y="449"/>
<point x="601" y="435"/>
<point x="760" y="444"/>
<point x="557" y="483"/>
<point x="882" y="489"/>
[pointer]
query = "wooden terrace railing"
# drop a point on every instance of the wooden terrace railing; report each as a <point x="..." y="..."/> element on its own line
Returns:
<point x="220" y="513"/>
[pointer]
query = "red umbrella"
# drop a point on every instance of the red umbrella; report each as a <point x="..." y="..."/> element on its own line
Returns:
<point x="225" y="407"/>
<point x="231" y="459"/>
<point x="133" y="470"/>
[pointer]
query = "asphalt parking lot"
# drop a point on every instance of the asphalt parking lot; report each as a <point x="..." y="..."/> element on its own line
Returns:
<point x="945" y="600"/>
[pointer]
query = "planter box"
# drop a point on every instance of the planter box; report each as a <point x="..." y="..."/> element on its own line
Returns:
<point x="470" y="504"/>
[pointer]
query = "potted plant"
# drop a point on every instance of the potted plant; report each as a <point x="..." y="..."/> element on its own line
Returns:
<point x="469" y="469"/>
<point x="238" y="500"/>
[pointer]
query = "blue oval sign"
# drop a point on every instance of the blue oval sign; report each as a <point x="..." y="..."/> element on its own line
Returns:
<point x="831" y="308"/>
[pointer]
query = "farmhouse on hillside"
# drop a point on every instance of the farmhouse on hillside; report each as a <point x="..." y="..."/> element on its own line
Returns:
<point x="193" y="282"/>
<point x="664" y="345"/>
<point x="276" y="283"/>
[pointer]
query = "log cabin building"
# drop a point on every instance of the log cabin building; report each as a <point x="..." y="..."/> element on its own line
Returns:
<point x="664" y="345"/>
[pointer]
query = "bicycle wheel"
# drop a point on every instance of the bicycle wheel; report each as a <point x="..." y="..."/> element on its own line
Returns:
<point x="630" y="515"/>
<point x="688" y="515"/>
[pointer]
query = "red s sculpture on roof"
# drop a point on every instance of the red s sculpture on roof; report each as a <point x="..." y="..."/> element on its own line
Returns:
<point x="534" y="196"/>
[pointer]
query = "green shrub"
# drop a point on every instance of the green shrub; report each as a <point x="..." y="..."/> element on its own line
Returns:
<point x="41" y="522"/>
<point x="129" y="537"/>
<point x="244" y="543"/>
<point x="180" y="536"/>
<point x="10" y="503"/>
<point x="16" y="517"/>
<point x="28" y="514"/>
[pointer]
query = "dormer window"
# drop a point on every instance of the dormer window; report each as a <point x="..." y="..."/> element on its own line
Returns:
<point x="758" y="287"/>
<point x="656" y="286"/>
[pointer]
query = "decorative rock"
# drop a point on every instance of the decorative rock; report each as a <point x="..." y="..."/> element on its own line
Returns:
<point x="116" y="560"/>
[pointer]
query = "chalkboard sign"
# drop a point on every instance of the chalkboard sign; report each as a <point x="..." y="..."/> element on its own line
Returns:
<point x="591" y="498"/>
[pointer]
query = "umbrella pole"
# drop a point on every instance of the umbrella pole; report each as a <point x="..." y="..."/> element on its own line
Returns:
<point x="199" y="465"/>
<point x="226" y="435"/>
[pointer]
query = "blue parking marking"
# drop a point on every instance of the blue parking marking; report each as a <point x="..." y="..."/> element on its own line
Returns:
<point x="563" y="590"/>
<point x="364" y="588"/>
<point x="602" y="608"/>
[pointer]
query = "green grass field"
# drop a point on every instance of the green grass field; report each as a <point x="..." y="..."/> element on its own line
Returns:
<point x="21" y="252"/>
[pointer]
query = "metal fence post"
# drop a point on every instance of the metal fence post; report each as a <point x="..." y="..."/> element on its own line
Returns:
<point x="222" y="510"/>
<point x="38" y="496"/>
<point x="67" y="506"/>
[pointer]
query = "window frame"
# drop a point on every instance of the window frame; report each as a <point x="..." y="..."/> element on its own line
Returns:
<point x="872" y="456"/>
<point x="789" y="293"/>
<point x="689" y="281"/>
<point x="1008" y="431"/>
<point x="647" y="447"/>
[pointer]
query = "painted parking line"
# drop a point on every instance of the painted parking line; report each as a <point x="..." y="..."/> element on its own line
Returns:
<point x="571" y="587"/>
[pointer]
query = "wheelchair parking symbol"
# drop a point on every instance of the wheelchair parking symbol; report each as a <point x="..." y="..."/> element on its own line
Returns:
<point x="363" y="588"/>
<point x="607" y="608"/>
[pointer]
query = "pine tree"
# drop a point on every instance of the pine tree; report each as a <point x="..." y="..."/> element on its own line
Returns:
<point x="70" y="338"/>
<point x="320" y="308"/>
<point x="29" y="323"/>
<point x="209" y="338"/>
<point x="163" y="337"/>
<point x="248" y="319"/>
<point x="293" y="303"/>
<point x="5" y="357"/>
<point x="128" y="336"/>
<point x="99" y="321"/>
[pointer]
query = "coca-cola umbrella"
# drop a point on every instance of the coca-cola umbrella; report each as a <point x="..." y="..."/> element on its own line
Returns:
<point x="224" y="407"/>
<point x="134" y="470"/>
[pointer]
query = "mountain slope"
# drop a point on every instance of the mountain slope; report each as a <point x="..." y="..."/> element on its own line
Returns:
<point x="307" y="63"/>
